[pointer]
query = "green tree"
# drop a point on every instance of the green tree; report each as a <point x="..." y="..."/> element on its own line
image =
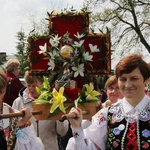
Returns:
<point x="2" y="58"/>
<point x="128" y="21"/>
<point x="21" y="51"/>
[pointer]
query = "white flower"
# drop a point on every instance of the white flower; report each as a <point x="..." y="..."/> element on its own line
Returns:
<point x="78" y="44"/>
<point x="79" y="36"/>
<point x="51" y="65"/>
<point x="78" y="70"/>
<point x="43" y="49"/>
<point x="93" y="48"/>
<point x="66" y="38"/>
<point x="54" y="41"/>
<point x="53" y="54"/>
<point x="87" y="56"/>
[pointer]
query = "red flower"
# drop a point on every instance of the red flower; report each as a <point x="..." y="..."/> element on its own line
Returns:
<point x="115" y="144"/>
<point x="112" y="121"/>
<point x="145" y="145"/>
<point x="72" y="93"/>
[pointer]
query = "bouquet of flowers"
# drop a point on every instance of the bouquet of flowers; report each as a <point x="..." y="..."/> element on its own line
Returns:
<point x="68" y="55"/>
<point x="57" y="97"/>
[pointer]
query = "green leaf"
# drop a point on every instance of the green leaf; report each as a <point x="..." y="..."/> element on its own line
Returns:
<point x="46" y="82"/>
<point x="38" y="90"/>
<point x="82" y="94"/>
<point x="76" y="102"/>
<point x="41" y="101"/>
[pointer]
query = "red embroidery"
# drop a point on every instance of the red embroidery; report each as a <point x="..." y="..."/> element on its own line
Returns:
<point x="132" y="138"/>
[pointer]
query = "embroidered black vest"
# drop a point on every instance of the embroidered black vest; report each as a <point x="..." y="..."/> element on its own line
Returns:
<point x="116" y="131"/>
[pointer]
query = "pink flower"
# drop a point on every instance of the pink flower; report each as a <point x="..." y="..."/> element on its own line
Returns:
<point x="115" y="144"/>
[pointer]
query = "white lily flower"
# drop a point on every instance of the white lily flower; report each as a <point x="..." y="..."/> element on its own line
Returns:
<point x="93" y="48"/>
<point x="66" y="38"/>
<point x="54" y="41"/>
<point x="87" y="56"/>
<point x="43" y="49"/>
<point x="78" y="44"/>
<point x="79" y="36"/>
<point x="53" y="54"/>
<point x="51" y="65"/>
<point x="79" y="70"/>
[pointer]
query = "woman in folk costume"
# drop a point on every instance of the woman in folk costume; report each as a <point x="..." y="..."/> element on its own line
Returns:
<point x="15" y="133"/>
<point x="124" y="125"/>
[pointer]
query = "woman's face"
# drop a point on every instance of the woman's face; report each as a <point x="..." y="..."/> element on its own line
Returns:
<point x="17" y="70"/>
<point x="132" y="85"/>
<point x="114" y="93"/>
<point x="32" y="89"/>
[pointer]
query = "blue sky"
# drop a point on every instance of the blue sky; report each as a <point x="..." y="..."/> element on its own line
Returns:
<point x="16" y="15"/>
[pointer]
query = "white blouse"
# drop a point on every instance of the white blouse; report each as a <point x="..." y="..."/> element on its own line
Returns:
<point x="26" y="137"/>
<point x="95" y="136"/>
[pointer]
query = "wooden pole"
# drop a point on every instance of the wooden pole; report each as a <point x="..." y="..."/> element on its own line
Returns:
<point x="21" y="114"/>
<point x="68" y="116"/>
<point x="18" y="114"/>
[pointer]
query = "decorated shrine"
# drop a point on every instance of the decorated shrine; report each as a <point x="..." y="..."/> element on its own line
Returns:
<point x="69" y="54"/>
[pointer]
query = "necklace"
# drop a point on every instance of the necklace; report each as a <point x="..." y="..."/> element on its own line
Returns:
<point x="124" y="135"/>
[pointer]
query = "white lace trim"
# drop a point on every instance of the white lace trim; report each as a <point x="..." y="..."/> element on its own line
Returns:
<point x="26" y="140"/>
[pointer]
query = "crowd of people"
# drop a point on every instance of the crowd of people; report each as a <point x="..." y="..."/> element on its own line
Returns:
<point x="121" y="123"/>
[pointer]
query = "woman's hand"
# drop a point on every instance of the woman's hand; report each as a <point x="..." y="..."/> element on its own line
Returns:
<point x="27" y="116"/>
<point x="75" y="122"/>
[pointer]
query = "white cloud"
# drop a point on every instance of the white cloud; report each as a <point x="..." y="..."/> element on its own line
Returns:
<point x="16" y="14"/>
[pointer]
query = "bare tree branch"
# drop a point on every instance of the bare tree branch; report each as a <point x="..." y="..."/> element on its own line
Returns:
<point x="128" y="21"/>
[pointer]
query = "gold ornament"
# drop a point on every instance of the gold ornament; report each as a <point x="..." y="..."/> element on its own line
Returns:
<point x="66" y="52"/>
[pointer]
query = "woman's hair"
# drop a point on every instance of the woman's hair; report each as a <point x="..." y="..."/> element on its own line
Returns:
<point x="131" y="62"/>
<point x="3" y="80"/>
<point x="12" y="64"/>
<point x="110" y="81"/>
<point x="32" y="78"/>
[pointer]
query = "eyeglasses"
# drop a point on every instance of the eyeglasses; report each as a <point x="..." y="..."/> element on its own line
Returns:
<point x="113" y="89"/>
